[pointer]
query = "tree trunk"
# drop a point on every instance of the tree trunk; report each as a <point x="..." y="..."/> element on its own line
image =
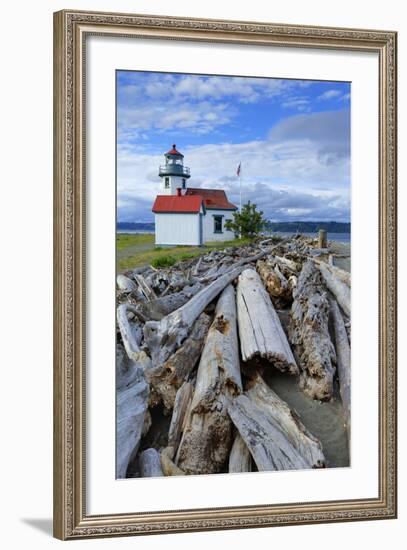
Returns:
<point x="308" y="332"/>
<point x="344" y="363"/>
<point x="165" y="379"/>
<point x="288" y="421"/>
<point x="207" y="438"/>
<point x="260" y="330"/>
<point x="240" y="459"/>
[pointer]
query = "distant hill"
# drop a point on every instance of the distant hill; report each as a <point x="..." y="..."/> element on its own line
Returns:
<point x="308" y="227"/>
<point x="135" y="226"/>
<point x="300" y="226"/>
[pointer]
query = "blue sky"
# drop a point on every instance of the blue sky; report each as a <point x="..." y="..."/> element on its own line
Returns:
<point x="291" y="136"/>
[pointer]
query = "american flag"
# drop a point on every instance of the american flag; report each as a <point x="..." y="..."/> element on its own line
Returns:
<point x="238" y="169"/>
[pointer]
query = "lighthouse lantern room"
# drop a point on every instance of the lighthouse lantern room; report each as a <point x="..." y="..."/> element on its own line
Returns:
<point x="173" y="173"/>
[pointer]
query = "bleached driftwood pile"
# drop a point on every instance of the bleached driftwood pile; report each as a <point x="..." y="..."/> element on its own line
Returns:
<point x="194" y="340"/>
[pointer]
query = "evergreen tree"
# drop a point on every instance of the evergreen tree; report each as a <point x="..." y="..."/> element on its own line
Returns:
<point x="248" y="223"/>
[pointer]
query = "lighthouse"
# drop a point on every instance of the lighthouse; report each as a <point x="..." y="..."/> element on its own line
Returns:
<point x="173" y="173"/>
<point x="187" y="215"/>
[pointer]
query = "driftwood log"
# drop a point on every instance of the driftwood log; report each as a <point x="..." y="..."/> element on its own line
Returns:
<point x="268" y="446"/>
<point x="343" y="363"/>
<point x="131" y="332"/>
<point x="275" y="283"/>
<point x="150" y="463"/>
<point x="341" y="274"/>
<point x="182" y="403"/>
<point x="125" y="284"/>
<point x="339" y="289"/>
<point x="308" y="332"/>
<point x="131" y="407"/>
<point x="165" y="379"/>
<point x="163" y="337"/>
<point x="144" y="287"/>
<point x="240" y="459"/>
<point x="289" y="265"/>
<point x="288" y="421"/>
<point x="260" y="330"/>
<point x="207" y="437"/>
<point x="167" y="464"/>
<point x="155" y="310"/>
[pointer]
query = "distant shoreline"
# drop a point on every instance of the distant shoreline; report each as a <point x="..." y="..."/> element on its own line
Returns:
<point x="277" y="227"/>
<point x="339" y="237"/>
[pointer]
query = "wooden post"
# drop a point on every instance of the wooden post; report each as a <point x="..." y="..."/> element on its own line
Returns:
<point x="322" y="240"/>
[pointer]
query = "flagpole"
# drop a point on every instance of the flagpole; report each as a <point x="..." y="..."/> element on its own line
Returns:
<point x="240" y="192"/>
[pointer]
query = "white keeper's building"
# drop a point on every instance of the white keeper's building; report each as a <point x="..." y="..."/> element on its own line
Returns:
<point x="188" y="215"/>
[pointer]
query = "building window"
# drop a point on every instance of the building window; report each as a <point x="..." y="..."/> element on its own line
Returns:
<point x="167" y="182"/>
<point x="217" y="221"/>
<point x="184" y="181"/>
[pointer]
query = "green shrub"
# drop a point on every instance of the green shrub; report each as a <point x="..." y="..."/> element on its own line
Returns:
<point x="163" y="261"/>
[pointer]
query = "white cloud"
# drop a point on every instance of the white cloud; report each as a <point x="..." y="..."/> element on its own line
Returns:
<point x="329" y="94"/>
<point x="294" y="173"/>
<point x="198" y="118"/>
<point x="200" y="104"/>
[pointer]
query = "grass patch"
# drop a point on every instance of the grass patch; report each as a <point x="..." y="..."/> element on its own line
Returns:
<point x="135" y="250"/>
<point x="163" y="261"/>
<point x="124" y="240"/>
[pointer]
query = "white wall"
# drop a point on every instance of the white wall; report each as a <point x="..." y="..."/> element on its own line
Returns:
<point x="175" y="183"/>
<point x="26" y="462"/>
<point x="172" y="229"/>
<point x="209" y="225"/>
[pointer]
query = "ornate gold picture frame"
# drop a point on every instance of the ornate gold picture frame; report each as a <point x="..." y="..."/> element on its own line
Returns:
<point x="71" y="31"/>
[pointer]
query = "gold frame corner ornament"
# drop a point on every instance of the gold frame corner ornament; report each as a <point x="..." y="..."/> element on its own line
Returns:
<point x="70" y="31"/>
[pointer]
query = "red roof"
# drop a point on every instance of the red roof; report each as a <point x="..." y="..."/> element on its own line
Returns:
<point x="174" y="151"/>
<point x="212" y="198"/>
<point x="175" y="203"/>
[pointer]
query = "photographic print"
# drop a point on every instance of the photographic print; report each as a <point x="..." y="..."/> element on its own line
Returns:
<point x="233" y="274"/>
<point x="204" y="190"/>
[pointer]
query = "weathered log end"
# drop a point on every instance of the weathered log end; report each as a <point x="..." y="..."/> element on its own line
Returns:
<point x="275" y="283"/>
<point x="150" y="463"/>
<point x="206" y="443"/>
<point x="260" y="330"/>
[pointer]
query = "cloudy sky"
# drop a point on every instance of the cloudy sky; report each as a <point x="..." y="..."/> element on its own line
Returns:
<point x="291" y="136"/>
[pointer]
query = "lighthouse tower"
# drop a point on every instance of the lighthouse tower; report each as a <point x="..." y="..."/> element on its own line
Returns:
<point x="173" y="173"/>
